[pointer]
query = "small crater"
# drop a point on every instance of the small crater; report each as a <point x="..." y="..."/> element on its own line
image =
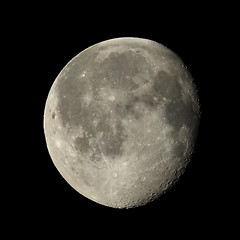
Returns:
<point x="138" y="51"/>
<point x="53" y="115"/>
<point x="96" y="156"/>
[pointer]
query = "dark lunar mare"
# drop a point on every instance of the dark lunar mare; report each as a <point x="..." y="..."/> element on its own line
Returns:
<point x="116" y="72"/>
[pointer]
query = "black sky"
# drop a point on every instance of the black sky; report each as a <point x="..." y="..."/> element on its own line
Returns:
<point x="44" y="39"/>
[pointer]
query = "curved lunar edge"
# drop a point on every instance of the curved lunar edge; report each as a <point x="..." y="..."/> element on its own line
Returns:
<point x="121" y="120"/>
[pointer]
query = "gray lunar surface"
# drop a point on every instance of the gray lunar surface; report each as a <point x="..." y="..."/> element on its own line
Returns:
<point x="121" y="120"/>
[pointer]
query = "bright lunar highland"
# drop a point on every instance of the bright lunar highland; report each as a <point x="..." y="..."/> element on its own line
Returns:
<point x="121" y="120"/>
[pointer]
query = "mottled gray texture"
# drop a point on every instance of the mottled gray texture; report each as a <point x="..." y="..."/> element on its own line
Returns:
<point x="120" y="121"/>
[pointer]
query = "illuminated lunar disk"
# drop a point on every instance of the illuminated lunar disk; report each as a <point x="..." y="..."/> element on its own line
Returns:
<point x="121" y="120"/>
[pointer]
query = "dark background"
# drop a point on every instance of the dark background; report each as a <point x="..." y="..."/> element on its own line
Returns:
<point x="44" y="39"/>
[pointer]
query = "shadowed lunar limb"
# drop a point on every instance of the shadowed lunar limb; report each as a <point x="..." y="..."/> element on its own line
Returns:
<point x="120" y="121"/>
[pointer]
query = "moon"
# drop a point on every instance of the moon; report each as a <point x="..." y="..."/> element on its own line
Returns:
<point x="121" y="120"/>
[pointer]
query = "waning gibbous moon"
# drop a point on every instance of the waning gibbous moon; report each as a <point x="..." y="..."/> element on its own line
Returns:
<point x="121" y="120"/>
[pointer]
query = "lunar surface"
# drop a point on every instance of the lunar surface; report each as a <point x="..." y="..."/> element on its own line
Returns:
<point x="121" y="120"/>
